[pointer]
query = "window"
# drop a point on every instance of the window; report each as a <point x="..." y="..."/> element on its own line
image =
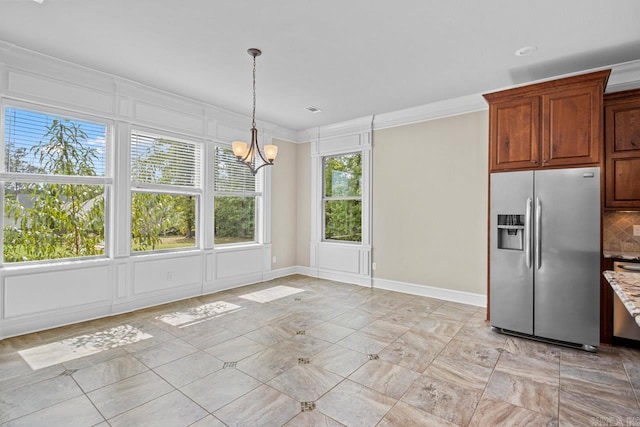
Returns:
<point x="166" y="188"/>
<point x="342" y="197"/>
<point x="236" y="200"/>
<point x="55" y="186"/>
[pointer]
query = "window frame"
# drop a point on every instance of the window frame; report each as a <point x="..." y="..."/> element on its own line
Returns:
<point x="197" y="190"/>
<point x="106" y="180"/>
<point x="324" y="199"/>
<point x="258" y="195"/>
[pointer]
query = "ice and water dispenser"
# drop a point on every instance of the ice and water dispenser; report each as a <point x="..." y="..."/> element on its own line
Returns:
<point x="511" y="232"/>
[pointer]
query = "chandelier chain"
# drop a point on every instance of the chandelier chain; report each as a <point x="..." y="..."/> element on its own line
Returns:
<point x="254" y="92"/>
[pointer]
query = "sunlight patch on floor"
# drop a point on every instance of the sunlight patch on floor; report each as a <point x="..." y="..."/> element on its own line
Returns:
<point x="194" y="315"/>
<point x="271" y="294"/>
<point x="81" y="346"/>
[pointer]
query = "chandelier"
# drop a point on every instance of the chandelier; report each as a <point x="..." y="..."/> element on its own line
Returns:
<point x="248" y="154"/>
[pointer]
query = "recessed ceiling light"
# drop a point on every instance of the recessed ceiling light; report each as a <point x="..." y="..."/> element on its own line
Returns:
<point x="39" y="1"/>
<point x="313" y="109"/>
<point x="525" y="51"/>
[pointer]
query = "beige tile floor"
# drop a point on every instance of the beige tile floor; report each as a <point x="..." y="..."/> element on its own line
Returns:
<point x="332" y="355"/>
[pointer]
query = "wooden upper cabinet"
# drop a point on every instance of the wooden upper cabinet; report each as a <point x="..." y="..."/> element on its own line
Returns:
<point x="514" y="133"/>
<point x="622" y="149"/>
<point x="551" y="124"/>
<point x="572" y="126"/>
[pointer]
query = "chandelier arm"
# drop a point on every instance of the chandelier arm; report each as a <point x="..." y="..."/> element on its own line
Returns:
<point x="254" y="142"/>
<point x="255" y="171"/>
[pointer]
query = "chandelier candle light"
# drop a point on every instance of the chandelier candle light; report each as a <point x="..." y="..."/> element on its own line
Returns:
<point x="247" y="154"/>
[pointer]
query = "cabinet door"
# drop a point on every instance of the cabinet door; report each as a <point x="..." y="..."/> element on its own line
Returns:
<point x="623" y="125"/>
<point x="514" y="135"/>
<point x="572" y="126"/>
<point x="623" y="183"/>
<point x="622" y="149"/>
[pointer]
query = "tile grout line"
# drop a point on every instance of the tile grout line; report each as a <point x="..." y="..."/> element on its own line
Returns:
<point x="269" y="321"/>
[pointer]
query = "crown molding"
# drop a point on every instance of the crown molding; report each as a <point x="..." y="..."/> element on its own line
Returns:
<point x="623" y="76"/>
<point x="435" y="110"/>
<point x="31" y="61"/>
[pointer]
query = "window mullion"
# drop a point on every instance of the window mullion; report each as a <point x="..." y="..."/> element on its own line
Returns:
<point x="55" y="179"/>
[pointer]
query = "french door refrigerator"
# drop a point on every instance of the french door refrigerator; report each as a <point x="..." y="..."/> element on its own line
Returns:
<point x="544" y="262"/>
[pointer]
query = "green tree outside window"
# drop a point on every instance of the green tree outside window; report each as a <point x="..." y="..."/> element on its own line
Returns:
<point x="342" y="197"/>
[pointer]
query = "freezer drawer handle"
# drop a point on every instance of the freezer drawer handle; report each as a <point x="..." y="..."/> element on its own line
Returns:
<point x="629" y="267"/>
<point x="527" y="233"/>
<point x="538" y="235"/>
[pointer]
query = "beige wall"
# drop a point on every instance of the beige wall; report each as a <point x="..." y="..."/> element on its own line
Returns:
<point x="284" y="205"/>
<point x="430" y="203"/>
<point x="429" y="200"/>
<point x="303" y="225"/>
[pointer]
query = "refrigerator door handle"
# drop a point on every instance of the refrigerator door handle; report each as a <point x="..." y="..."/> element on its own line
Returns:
<point x="527" y="233"/>
<point x="538" y="234"/>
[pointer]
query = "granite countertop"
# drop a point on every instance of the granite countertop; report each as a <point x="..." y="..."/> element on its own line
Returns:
<point x="627" y="286"/>
<point x="631" y="256"/>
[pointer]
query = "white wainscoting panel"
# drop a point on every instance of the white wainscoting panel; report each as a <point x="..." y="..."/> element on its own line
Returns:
<point x="31" y="293"/>
<point x="158" y="274"/>
<point x="168" y="119"/>
<point x="238" y="262"/>
<point x="52" y="91"/>
<point x="343" y="258"/>
<point x="230" y="133"/>
<point x="210" y="266"/>
<point x="122" y="276"/>
<point x="339" y="145"/>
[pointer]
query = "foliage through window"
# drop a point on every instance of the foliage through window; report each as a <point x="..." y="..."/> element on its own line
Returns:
<point x="236" y="195"/>
<point x="165" y="175"/>
<point x="54" y="186"/>
<point x="342" y="197"/>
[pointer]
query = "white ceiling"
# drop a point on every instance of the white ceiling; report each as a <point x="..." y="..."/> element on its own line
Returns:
<point x="351" y="58"/>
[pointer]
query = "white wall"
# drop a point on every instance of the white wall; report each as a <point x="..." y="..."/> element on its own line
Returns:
<point x="36" y="296"/>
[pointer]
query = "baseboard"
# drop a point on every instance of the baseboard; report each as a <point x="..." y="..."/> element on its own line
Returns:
<point x="452" y="295"/>
<point x="307" y="271"/>
<point x="431" y="292"/>
<point x="14" y="327"/>
<point x="281" y="272"/>
<point x="219" y="285"/>
<point x="338" y="276"/>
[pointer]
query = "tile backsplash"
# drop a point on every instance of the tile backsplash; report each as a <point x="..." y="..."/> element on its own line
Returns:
<point x="617" y="233"/>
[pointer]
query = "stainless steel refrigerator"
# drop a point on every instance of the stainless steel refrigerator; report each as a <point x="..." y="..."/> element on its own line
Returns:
<point x="544" y="268"/>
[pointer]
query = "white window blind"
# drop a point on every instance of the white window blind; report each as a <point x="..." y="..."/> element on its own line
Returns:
<point x="35" y="143"/>
<point x="158" y="160"/>
<point x="232" y="177"/>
